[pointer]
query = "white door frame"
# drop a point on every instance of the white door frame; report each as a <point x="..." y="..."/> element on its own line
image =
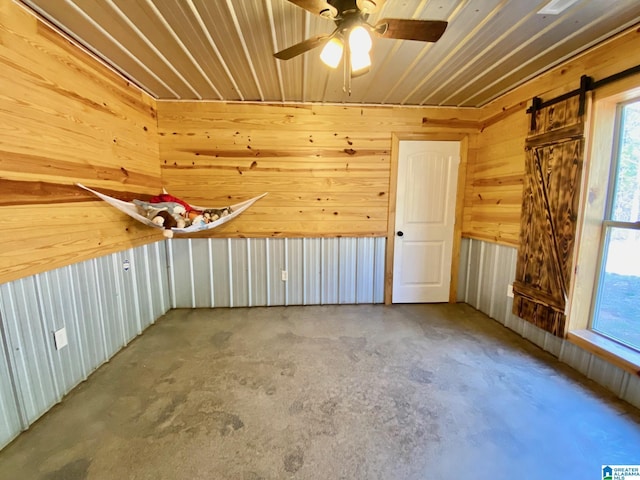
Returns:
<point x="396" y="138"/>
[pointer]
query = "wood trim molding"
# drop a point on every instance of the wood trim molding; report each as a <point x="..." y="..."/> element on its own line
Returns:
<point x="457" y="123"/>
<point x="599" y="130"/>
<point x="610" y="351"/>
<point x="459" y="215"/>
<point x="506" y="112"/>
<point x="391" y="218"/>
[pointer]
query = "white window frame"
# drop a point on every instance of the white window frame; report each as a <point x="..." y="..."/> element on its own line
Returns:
<point x="600" y="137"/>
<point x="607" y="223"/>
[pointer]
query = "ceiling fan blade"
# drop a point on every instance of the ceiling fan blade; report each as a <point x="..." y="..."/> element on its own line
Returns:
<point x="304" y="46"/>
<point x="406" y="29"/>
<point x="370" y="6"/>
<point x="317" y="7"/>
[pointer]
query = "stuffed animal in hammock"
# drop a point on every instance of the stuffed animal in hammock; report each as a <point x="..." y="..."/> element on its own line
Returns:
<point x="208" y="215"/>
<point x="213" y="214"/>
<point x="169" y="212"/>
<point x="165" y="214"/>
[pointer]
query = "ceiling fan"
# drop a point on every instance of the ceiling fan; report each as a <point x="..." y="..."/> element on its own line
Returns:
<point x="350" y="17"/>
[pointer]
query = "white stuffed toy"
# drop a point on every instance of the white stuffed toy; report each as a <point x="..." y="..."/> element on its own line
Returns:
<point x="165" y="214"/>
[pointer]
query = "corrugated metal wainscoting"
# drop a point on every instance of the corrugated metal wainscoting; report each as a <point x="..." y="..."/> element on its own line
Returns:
<point x="486" y="270"/>
<point x="247" y="272"/>
<point x="102" y="303"/>
<point x="105" y="302"/>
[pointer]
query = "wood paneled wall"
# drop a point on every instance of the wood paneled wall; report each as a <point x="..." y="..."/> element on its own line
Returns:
<point x="493" y="194"/>
<point x="65" y="118"/>
<point x="326" y="168"/>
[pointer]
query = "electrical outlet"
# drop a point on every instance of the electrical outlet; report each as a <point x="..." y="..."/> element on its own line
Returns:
<point x="510" y="290"/>
<point x="60" y="337"/>
<point x="285" y="275"/>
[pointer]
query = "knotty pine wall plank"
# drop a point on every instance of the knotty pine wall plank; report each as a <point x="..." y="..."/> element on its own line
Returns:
<point x="66" y="118"/>
<point x="492" y="202"/>
<point x="326" y="168"/>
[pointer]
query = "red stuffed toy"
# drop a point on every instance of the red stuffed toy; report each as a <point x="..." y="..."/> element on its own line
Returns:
<point x="165" y="197"/>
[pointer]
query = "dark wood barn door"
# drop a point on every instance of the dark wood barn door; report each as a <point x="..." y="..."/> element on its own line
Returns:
<point x="554" y="156"/>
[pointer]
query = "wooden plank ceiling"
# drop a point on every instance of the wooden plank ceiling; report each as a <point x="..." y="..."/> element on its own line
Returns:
<point x="222" y="50"/>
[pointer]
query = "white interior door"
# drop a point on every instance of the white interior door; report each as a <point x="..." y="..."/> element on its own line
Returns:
<point x="425" y="216"/>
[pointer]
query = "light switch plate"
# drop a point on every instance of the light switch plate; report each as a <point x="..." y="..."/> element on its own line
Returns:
<point x="510" y="290"/>
<point x="60" y="337"/>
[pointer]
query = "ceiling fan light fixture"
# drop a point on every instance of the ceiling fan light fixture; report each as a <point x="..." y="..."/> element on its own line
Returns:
<point x="332" y="52"/>
<point x="367" y="6"/>
<point x="351" y="37"/>
<point x="359" y="40"/>
<point x="360" y="63"/>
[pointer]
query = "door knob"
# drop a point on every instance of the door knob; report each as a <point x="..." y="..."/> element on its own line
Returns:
<point x="400" y="233"/>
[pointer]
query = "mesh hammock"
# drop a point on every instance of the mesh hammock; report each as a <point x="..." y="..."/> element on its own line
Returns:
<point x="132" y="210"/>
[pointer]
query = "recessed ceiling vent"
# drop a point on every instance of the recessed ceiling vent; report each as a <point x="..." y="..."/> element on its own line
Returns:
<point x="556" y="7"/>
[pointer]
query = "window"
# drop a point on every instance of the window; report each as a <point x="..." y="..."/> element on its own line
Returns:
<point x="616" y="308"/>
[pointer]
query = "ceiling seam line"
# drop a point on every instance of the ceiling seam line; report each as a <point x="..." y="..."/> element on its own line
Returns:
<point x="124" y="50"/>
<point x="476" y="57"/>
<point x="424" y="51"/>
<point x="183" y="47"/>
<point x="236" y="24"/>
<point x="274" y="42"/>
<point x="468" y="37"/>
<point x="150" y="44"/>
<point x="294" y="103"/>
<point x="474" y="79"/>
<point x="394" y="50"/>
<point x="563" y="59"/>
<point x="305" y="59"/>
<point x="520" y="47"/>
<point x="213" y="45"/>
<point x="78" y="42"/>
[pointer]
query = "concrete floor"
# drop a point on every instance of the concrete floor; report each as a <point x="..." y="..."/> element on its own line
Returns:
<point x="331" y="392"/>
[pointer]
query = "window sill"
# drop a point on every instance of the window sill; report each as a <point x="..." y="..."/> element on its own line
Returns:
<point x="613" y="352"/>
